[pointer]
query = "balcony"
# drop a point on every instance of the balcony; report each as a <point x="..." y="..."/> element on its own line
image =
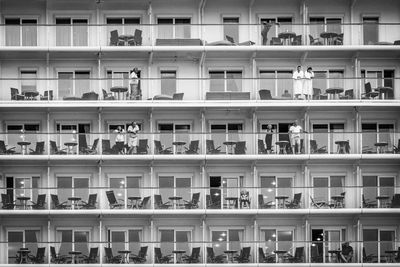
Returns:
<point x="288" y="34"/>
<point x="219" y="251"/>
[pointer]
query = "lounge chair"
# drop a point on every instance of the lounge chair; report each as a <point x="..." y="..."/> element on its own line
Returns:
<point x="141" y="257"/>
<point x="39" y="258"/>
<point x="212" y="202"/>
<point x="240" y="147"/>
<point x="193" y="147"/>
<point x="298" y="256"/>
<point x="143" y="146"/>
<point x="262" y="258"/>
<point x="318" y="204"/>
<point x="4" y="150"/>
<point x="263" y="205"/>
<point x="137" y="38"/>
<point x="395" y="201"/>
<point x="194" y="257"/>
<point x="211" y="149"/>
<point x="112" y="200"/>
<point x="7" y="202"/>
<point x="106" y="146"/>
<point x="56" y="203"/>
<point x="295" y="203"/>
<point x="231" y="40"/>
<point x="276" y="41"/>
<point x="314" y="41"/>
<point x="144" y="203"/>
<point x="90" y="150"/>
<point x="297" y="40"/>
<point x="194" y="203"/>
<point x="244" y="256"/>
<point x="107" y="96"/>
<point x="91" y="203"/>
<point x="177" y="96"/>
<point x="54" y="149"/>
<point x="159" y="204"/>
<point x="160" y="258"/>
<point x="39" y="149"/>
<point x="315" y="149"/>
<point x="110" y="258"/>
<point x="261" y="147"/>
<point x="159" y="148"/>
<point x="40" y="203"/>
<point x="15" y="94"/>
<point x="114" y="39"/>
<point x="244" y="200"/>
<point x="57" y="259"/>
<point x="92" y="258"/>
<point x="265" y="94"/>
<point x="48" y="95"/>
<point x="366" y="203"/>
<point x="212" y="258"/>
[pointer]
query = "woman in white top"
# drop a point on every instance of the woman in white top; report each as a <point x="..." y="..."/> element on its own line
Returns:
<point x="308" y="84"/>
<point x="133" y="129"/>
<point x="298" y="76"/>
<point x="133" y="84"/>
<point x="120" y="137"/>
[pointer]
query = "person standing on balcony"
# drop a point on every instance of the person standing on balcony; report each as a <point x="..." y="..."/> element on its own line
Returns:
<point x="119" y="140"/>
<point x="268" y="138"/>
<point x="347" y="252"/>
<point x="133" y="84"/>
<point x="298" y="77"/>
<point x="264" y="32"/>
<point x="294" y="133"/>
<point x="308" y="84"/>
<point x="133" y="130"/>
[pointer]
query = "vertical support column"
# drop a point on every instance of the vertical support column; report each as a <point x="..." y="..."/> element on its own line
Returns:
<point x="99" y="81"/>
<point x="203" y="184"/>
<point x="48" y="195"/>
<point x="357" y="81"/>
<point x="102" y="244"/>
<point x="151" y="132"/>
<point x="255" y="238"/>
<point x="203" y="133"/>
<point x="358" y="130"/>
<point x="152" y="183"/>
<point x="255" y="186"/>
<point x="254" y="80"/>
<point x="98" y="28"/>
<point x="307" y="138"/>
<point x="204" y="237"/>
<point x="360" y="245"/>
<point x="307" y="240"/>
<point x="202" y="75"/>
<point x="151" y="30"/>
<point x="254" y="136"/>
<point x="100" y="130"/>
<point x="358" y="184"/>
<point x="48" y="86"/>
<point x="47" y="28"/>
<point x="103" y="185"/>
<point x="152" y="238"/>
<point x="307" y="189"/>
<point x="49" y="239"/>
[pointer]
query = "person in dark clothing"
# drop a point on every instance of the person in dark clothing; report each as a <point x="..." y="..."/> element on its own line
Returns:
<point x="347" y="252"/>
<point x="268" y="138"/>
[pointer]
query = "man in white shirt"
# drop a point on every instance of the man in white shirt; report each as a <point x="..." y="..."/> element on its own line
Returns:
<point x="133" y="84"/>
<point x="133" y="129"/>
<point x="294" y="134"/>
<point x="298" y="77"/>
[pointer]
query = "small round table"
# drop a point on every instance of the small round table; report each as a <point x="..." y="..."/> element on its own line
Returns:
<point x="380" y="147"/>
<point x="31" y="95"/>
<point x="231" y="202"/>
<point x="119" y="92"/>
<point x="230" y="254"/>
<point x="337" y="201"/>
<point x="176" y="201"/>
<point x="328" y="37"/>
<point x="282" y="146"/>
<point x="74" y="255"/>
<point x="124" y="255"/>
<point x="281" y="201"/>
<point x="126" y="38"/>
<point x="24" y="147"/>
<point x="341" y="146"/>
<point x="334" y="92"/>
<point x="335" y="255"/>
<point x="229" y="146"/>
<point x="287" y="37"/>
<point x="70" y="147"/>
<point x="384" y="91"/>
<point x="134" y="202"/>
<point x="280" y="254"/>
<point x="178" y="254"/>
<point x="23" y="255"/>
<point x="179" y="146"/>
<point x="74" y="201"/>
<point x="24" y="202"/>
<point x="383" y="201"/>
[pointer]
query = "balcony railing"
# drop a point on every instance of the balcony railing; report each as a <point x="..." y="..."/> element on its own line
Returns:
<point x="120" y="196"/>
<point x="71" y="143"/>
<point x="225" y="249"/>
<point x="78" y="35"/>
<point x="269" y="86"/>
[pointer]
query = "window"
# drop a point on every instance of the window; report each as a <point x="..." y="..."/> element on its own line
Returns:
<point x="326" y="134"/>
<point x="225" y="81"/>
<point x="17" y="132"/>
<point x="22" y="239"/>
<point x="378" y="78"/>
<point x="71" y="132"/>
<point x="21" y="32"/>
<point x="28" y="80"/>
<point x="68" y="186"/>
<point x="277" y="239"/>
<point x="377" y="241"/>
<point x="223" y="131"/>
<point x="370" y="30"/>
<point x="73" y="83"/>
<point x="376" y="132"/>
<point x="23" y="186"/>
<point x="276" y="81"/>
<point x="327" y="186"/>
<point x="272" y="186"/>
<point x="222" y="187"/>
<point x="325" y="24"/>
<point x="168" y="82"/>
<point x="231" y="27"/>
<point x="117" y="78"/>
<point x="328" y="79"/>
<point x="72" y="240"/>
<point x="174" y="28"/>
<point x="124" y="25"/>
<point x="174" y="239"/>
<point x="374" y="186"/>
<point x="126" y="186"/>
<point x="227" y="240"/>
<point x="175" y="185"/>
<point x="71" y="32"/>
<point x="325" y="239"/>
<point x="124" y="239"/>
<point x="174" y="131"/>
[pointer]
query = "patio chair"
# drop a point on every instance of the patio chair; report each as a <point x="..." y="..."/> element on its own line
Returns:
<point x="91" y="203"/>
<point x="143" y="146"/>
<point x="107" y="96"/>
<point x="194" y="203"/>
<point x="106" y="147"/>
<point x="244" y="256"/>
<point x="160" y="258"/>
<point x="177" y="96"/>
<point x="15" y="94"/>
<point x="137" y="38"/>
<point x="395" y="201"/>
<point x="297" y="40"/>
<point x="276" y="41"/>
<point x="144" y="203"/>
<point x="315" y="255"/>
<point x="318" y="204"/>
<point x="4" y="150"/>
<point x="141" y="257"/>
<point x="348" y="94"/>
<point x="368" y="90"/>
<point x="339" y="39"/>
<point x="263" y="205"/>
<point x="159" y="204"/>
<point x="233" y="42"/>
<point x="110" y="258"/>
<point x="92" y="258"/>
<point x="314" y="41"/>
<point x="39" y="149"/>
<point x="262" y="258"/>
<point x="159" y="148"/>
<point x="295" y="203"/>
<point x="240" y="147"/>
<point x="112" y="200"/>
<point x="114" y="38"/>
<point x="193" y="147"/>
<point x="314" y="149"/>
<point x="211" y="203"/>
<point x="40" y="203"/>
<point x="366" y="203"/>
<point x="261" y="147"/>
<point x="48" y="95"/>
<point x="194" y="257"/>
<point x="298" y="256"/>
<point x="244" y="199"/>
<point x="396" y="150"/>
<point x="7" y="202"/>
<point x="39" y="258"/>
<point x="265" y="94"/>
<point x="90" y="150"/>
<point x="211" y="149"/>
<point x="54" y="149"/>
<point x="56" y="203"/>
<point x="397" y="259"/>
<point x="317" y="94"/>
<point x="368" y="258"/>
<point x="212" y="258"/>
<point x="57" y="259"/>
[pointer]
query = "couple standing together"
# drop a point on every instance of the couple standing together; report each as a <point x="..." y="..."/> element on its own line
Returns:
<point x="302" y="83"/>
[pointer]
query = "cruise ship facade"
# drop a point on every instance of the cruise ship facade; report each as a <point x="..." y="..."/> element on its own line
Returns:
<point x="164" y="132"/>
